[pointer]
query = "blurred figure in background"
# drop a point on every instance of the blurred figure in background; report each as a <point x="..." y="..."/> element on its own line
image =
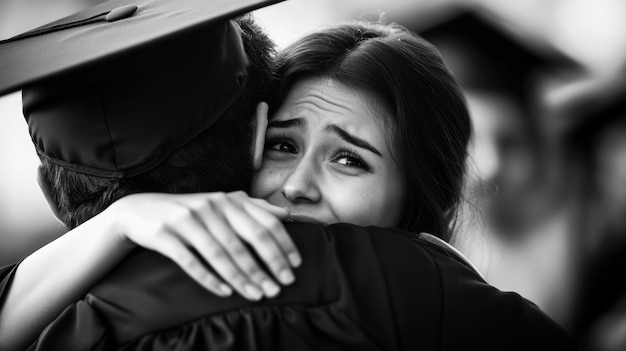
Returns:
<point x="592" y="121"/>
<point x="511" y="188"/>
<point x="497" y="75"/>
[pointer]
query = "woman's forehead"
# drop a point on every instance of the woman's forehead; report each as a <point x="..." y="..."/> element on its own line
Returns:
<point x="322" y="98"/>
<point x="322" y="105"/>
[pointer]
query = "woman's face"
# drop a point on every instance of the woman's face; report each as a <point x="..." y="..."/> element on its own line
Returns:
<point x="327" y="158"/>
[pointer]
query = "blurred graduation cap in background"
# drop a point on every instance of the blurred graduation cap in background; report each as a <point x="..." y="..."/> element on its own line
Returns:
<point x="582" y="109"/>
<point x="482" y="56"/>
<point x="113" y="90"/>
<point x="501" y="75"/>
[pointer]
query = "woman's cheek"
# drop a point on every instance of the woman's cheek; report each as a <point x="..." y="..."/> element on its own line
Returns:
<point x="354" y="204"/>
<point x="271" y="178"/>
<point x="263" y="184"/>
<point x="378" y="206"/>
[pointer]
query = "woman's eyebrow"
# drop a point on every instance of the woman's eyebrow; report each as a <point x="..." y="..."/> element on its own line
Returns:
<point x="295" y="122"/>
<point x="351" y="138"/>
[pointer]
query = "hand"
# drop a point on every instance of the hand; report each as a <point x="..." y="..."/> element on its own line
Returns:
<point x="207" y="228"/>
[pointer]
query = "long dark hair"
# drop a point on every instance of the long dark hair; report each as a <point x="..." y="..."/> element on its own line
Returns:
<point x="431" y="124"/>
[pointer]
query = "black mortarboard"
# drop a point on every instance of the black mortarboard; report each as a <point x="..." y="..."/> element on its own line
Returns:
<point x="587" y="107"/>
<point x="113" y="90"/>
<point x="482" y="56"/>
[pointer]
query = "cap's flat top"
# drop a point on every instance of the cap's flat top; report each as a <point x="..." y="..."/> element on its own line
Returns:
<point x="67" y="46"/>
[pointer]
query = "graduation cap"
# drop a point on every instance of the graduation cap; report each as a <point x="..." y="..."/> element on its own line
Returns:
<point x="586" y="108"/>
<point x="112" y="91"/>
<point x="482" y="56"/>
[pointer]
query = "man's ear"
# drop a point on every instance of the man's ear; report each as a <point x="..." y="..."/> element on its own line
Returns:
<point x="258" y="140"/>
<point x="46" y="189"/>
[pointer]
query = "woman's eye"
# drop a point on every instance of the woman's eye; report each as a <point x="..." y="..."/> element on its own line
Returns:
<point x="282" y="146"/>
<point x="351" y="160"/>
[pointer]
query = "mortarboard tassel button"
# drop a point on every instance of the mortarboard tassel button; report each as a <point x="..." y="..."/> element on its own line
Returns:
<point x="121" y="13"/>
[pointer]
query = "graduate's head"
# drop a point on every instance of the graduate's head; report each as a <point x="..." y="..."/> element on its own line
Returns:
<point x="369" y="128"/>
<point x="172" y="113"/>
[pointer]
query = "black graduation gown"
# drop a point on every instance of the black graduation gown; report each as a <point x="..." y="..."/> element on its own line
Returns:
<point x="357" y="289"/>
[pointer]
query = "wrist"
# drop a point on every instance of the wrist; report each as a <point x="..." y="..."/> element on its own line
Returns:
<point x="110" y="228"/>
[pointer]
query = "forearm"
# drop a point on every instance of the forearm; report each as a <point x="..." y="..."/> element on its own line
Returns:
<point x="54" y="276"/>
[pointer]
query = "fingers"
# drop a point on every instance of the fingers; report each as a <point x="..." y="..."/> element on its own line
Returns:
<point x="170" y="246"/>
<point x="225" y="253"/>
<point x="250" y="226"/>
<point x="196" y="230"/>
<point x="242" y="271"/>
<point x="280" y="235"/>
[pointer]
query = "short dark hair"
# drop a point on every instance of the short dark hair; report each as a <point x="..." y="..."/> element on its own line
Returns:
<point x="216" y="160"/>
<point x="431" y="122"/>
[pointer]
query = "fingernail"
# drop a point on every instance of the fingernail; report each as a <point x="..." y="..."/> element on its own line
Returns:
<point x="253" y="292"/>
<point x="295" y="259"/>
<point x="225" y="289"/>
<point x="286" y="277"/>
<point x="270" y="288"/>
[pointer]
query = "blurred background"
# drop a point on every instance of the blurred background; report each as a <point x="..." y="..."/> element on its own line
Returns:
<point x="545" y="209"/>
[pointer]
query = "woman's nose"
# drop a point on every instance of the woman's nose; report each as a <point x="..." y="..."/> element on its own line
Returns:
<point x="301" y="185"/>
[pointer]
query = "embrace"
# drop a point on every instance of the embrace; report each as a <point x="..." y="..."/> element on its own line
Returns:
<point x="220" y="195"/>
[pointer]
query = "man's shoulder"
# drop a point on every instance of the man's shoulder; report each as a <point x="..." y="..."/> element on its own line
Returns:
<point x="436" y="290"/>
<point x="398" y="289"/>
<point x="372" y="276"/>
<point x="401" y="253"/>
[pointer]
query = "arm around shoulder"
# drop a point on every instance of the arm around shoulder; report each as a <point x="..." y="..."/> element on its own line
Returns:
<point x="48" y="280"/>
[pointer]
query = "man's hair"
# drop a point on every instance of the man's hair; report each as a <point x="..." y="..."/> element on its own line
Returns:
<point x="216" y="160"/>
